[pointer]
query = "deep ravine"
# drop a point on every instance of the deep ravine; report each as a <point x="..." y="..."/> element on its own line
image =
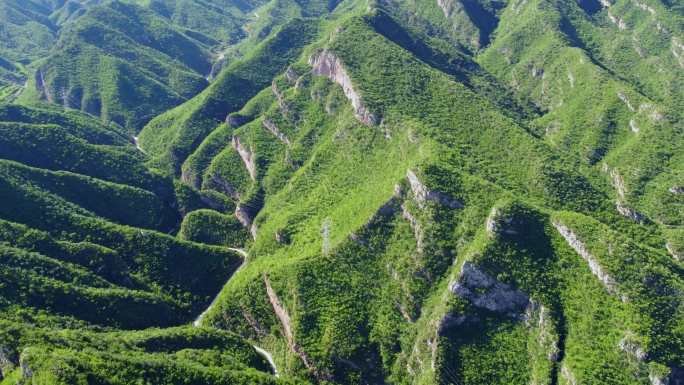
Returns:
<point x="198" y="321"/>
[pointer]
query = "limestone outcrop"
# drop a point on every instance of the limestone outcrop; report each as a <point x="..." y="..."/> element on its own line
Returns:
<point x="273" y="128"/>
<point x="285" y="321"/>
<point x="580" y="248"/>
<point x="247" y="156"/>
<point x="486" y="292"/>
<point x="423" y="194"/>
<point x="499" y="224"/>
<point x="326" y="63"/>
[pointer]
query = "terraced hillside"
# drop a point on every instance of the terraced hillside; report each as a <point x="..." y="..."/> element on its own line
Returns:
<point x="403" y="192"/>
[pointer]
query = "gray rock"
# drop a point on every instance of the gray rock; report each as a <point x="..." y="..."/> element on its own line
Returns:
<point x="273" y="128"/>
<point x="326" y="63"/>
<point x="629" y="212"/>
<point x="423" y="194"/>
<point x="677" y="190"/>
<point x="246" y="155"/>
<point x="486" y="292"/>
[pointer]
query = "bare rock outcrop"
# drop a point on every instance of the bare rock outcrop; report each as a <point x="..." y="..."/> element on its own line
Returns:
<point x="291" y="75"/>
<point x="538" y="318"/>
<point x="486" y="292"/>
<point x="326" y="63"/>
<point x="568" y="376"/>
<point x="423" y="194"/>
<point x="8" y="361"/>
<point x="245" y="215"/>
<point x="618" y="21"/>
<point x="580" y="248"/>
<point x="499" y="224"/>
<point x="26" y="370"/>
<point x="42" y="87"/>
<point x="415" y="226"/>
<point x="273" y="128"/>
<point x="247" y="156"/>
<point x="676" y="254"/>
<point x="622" y="96"/>
<point x="286" y="323"/>
<point x="676" y="190"/>
<point x="284" y="107"/>
<point x="629" y="212"/>
<point x="645" y="7"/>
<point x="653" y="113"/>
<point x="449" y="7"/>
<point x="633" y="126"/>
<point x="630" y="346"/>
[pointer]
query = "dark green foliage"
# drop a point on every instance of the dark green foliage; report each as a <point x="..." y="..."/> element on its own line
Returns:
<point x="211" y="227"/>
<point x="172" y="137"/>
<point x="512" y="215"/>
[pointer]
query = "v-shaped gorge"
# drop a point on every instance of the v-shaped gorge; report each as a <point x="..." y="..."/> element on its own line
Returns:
<point x="426" y="193"/>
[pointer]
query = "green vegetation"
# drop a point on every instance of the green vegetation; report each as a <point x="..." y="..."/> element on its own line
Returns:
<point x="409" y="192"/>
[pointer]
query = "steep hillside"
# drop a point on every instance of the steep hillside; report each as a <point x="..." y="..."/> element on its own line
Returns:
<point x="84" y="250"/>
<point x="125" y="61"/>
<point x="387" y="192"/>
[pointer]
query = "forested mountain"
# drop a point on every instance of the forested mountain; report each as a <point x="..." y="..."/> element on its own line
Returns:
<point x="342" y="192"/>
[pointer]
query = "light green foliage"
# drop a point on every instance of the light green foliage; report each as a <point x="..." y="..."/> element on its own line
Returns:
<point x="511" y="215"/>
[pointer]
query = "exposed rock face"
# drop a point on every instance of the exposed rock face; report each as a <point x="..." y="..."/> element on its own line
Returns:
<point x="567" y="374"/>
<point x="617" y="181"/>
<point x="633" y="126"/>
<point x="253" y="230"/>
<point x="486" y="292"/>
<point x="291" y="75"/>
<point x="284" y="107"/>
<point x="423" y="194"/>
<point x="677" y="190"/>
<point x="630" y="346"/>
<point x="673" y="252"/>
<point x="645" y="7"/>
<point x="571" y="79"/>
<point x="617" y="21"/>
<point x="538" y="317"/>
<point x="625" y="99"/>
<point x="326" y="63"/>
<point x="629" y="212"/>
<point x="42" y="87"/>
<point x="246" y="216"/>
<point x="655" y="379"/>
<point x="654" y="114"/>
<point x="273" y="128"/>
<point x="282" y="237"/>
<point x="8" y="361"/>
<point x="415" y="226"/>
<point x="286" y="323"/>
<point x="536" y="72"/>
<point x="573" y="240"/>
<point x="449" y="7"/>
<point x="190" y="178"/>
<point x="497" y="224"/>
<point x="26" y="371"/>
<point x="246" y="155"/>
